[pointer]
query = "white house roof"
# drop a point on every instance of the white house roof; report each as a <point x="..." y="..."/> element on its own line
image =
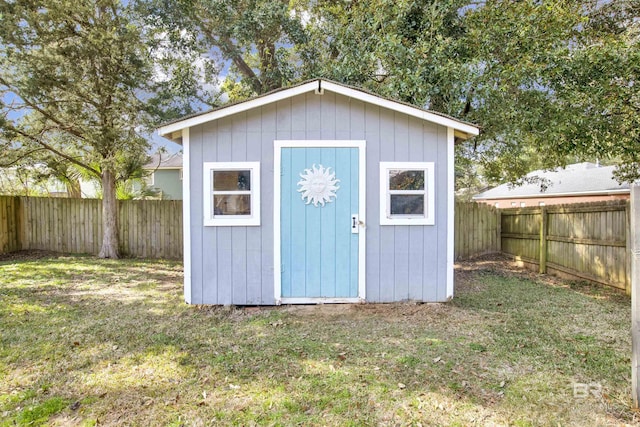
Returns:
<point x="574" y="180"/>
<point x="172" y="130"/>
<point x="164" y="161"/>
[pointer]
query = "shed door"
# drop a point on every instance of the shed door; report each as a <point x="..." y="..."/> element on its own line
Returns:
<point x="319" y="198"/>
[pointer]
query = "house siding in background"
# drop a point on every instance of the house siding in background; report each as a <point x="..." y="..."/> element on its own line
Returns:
<point x="169" y="182"/>
<point x="165" y="175"/>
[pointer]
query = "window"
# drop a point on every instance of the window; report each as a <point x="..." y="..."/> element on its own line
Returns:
<point x="522" y="204"/>
<point x="231" y="193"/>
<point x="407" y="193"/>
<point x="541" y="203"/>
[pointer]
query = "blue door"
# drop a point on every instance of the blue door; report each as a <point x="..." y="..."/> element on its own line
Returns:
<point x="319" y="197"/>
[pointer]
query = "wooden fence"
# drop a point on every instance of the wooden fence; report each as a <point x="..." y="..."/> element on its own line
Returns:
<point x="586" y="241"/>
<point x="477" y="230"/>
<point x="147" y="228"/>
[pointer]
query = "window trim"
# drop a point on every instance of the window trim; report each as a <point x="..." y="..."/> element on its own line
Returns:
<point x="231" y="220"/>
<point x="429" y="191"/>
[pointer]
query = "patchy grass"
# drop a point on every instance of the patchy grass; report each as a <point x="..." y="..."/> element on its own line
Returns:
<point x="99" y="342"/>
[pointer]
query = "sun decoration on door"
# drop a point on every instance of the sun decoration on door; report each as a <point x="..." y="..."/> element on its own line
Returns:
<point x="318" y="185"/>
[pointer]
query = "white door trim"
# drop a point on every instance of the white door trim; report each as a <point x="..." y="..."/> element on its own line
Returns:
<point x="277" y="236"/>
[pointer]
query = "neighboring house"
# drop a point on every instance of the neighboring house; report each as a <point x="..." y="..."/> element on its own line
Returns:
<point x="318" y="193"/>
<point x="166" y="175"/>
<point x="577" y="183"/>
<point x="23" y="181"/>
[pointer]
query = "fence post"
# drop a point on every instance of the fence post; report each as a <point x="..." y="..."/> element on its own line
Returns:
<point x="543" y="240"/>
<point x="634" y="236"/>
<point x="499" y="230"/>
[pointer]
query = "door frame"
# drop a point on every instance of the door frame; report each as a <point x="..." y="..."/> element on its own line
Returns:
<point x="278" y="145"/>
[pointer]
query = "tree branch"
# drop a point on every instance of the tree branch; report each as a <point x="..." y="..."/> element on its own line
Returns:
<point x="56" y="151"/>
<point x="48" y="116"/>
<point x="27" y="154"/>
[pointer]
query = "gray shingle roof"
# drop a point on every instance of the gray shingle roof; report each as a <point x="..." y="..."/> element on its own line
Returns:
<point x="165" y="161"/>
<point x="580" y="178"/>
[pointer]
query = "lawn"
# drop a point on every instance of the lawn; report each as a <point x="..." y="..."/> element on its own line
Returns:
<point x="100" y="342"/>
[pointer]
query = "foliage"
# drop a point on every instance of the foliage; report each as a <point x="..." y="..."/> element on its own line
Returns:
<point x="256" y="37"/>
<point x="548" y="82"/>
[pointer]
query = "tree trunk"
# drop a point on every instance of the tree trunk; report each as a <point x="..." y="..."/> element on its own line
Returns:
<point x="74" y="190"/>
<point x="109" y="216"/>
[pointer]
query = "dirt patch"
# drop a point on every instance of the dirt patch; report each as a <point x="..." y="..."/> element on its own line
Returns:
<point x="499" y="264"/>
<point x="29" y="255"/>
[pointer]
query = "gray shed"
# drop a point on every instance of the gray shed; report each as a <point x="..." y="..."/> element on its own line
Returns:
<point x="318" y="193"/>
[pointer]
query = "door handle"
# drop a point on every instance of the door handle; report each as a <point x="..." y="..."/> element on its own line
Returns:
<point x="355" y="224"/>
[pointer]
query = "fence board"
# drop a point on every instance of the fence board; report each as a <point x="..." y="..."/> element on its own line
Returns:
<point x="9" y="224"/>
<point x="476" y="230"/>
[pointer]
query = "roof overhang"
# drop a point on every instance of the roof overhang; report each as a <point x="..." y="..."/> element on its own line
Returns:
<point x="462" y="130"/>
<point x="546" y="195"/>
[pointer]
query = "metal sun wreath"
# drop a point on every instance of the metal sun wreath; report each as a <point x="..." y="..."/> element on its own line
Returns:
<point x="318" y="185"/>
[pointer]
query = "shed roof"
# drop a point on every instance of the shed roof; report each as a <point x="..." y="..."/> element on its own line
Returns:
<point x="168" y="161"/>
<point x="574" y="180"/>
<point x="173" y="130"/>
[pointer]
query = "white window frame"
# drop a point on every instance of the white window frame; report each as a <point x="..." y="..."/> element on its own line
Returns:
<point x="428" y="218"/>
<point x="231" y="220"/>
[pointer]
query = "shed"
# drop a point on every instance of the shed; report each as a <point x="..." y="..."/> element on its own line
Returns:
<point x="318" y="193"/>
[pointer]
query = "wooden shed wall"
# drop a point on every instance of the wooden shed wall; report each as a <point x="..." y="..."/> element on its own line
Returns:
<point x="234" y="265"/>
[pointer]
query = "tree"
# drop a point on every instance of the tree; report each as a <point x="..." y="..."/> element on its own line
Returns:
<point x="253" y="40"/>
<point x="72" y="76"/>
<point x="555" y="85"/>
<point x="549" y="82"/>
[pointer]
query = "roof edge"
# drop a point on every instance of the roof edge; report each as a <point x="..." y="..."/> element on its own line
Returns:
<point x="172" y="130"/>
<point x="540" y="195"/>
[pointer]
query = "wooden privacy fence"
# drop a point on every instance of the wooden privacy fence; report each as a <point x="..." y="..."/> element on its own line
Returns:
<point x="477" y="230"/>
<point x="588" y="241"/>
<point x="146" y="228"/>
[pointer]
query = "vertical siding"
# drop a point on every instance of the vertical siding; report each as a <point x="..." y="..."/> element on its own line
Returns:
<point x="373" y="256"/>
<point x="234" y="265"/>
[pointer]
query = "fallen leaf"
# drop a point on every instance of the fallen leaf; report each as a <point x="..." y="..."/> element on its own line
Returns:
<point x="437" y="359"/>
<point x="401" y="386"/>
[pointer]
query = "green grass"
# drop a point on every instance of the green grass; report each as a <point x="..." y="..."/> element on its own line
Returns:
<point x="101" y="342"/>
